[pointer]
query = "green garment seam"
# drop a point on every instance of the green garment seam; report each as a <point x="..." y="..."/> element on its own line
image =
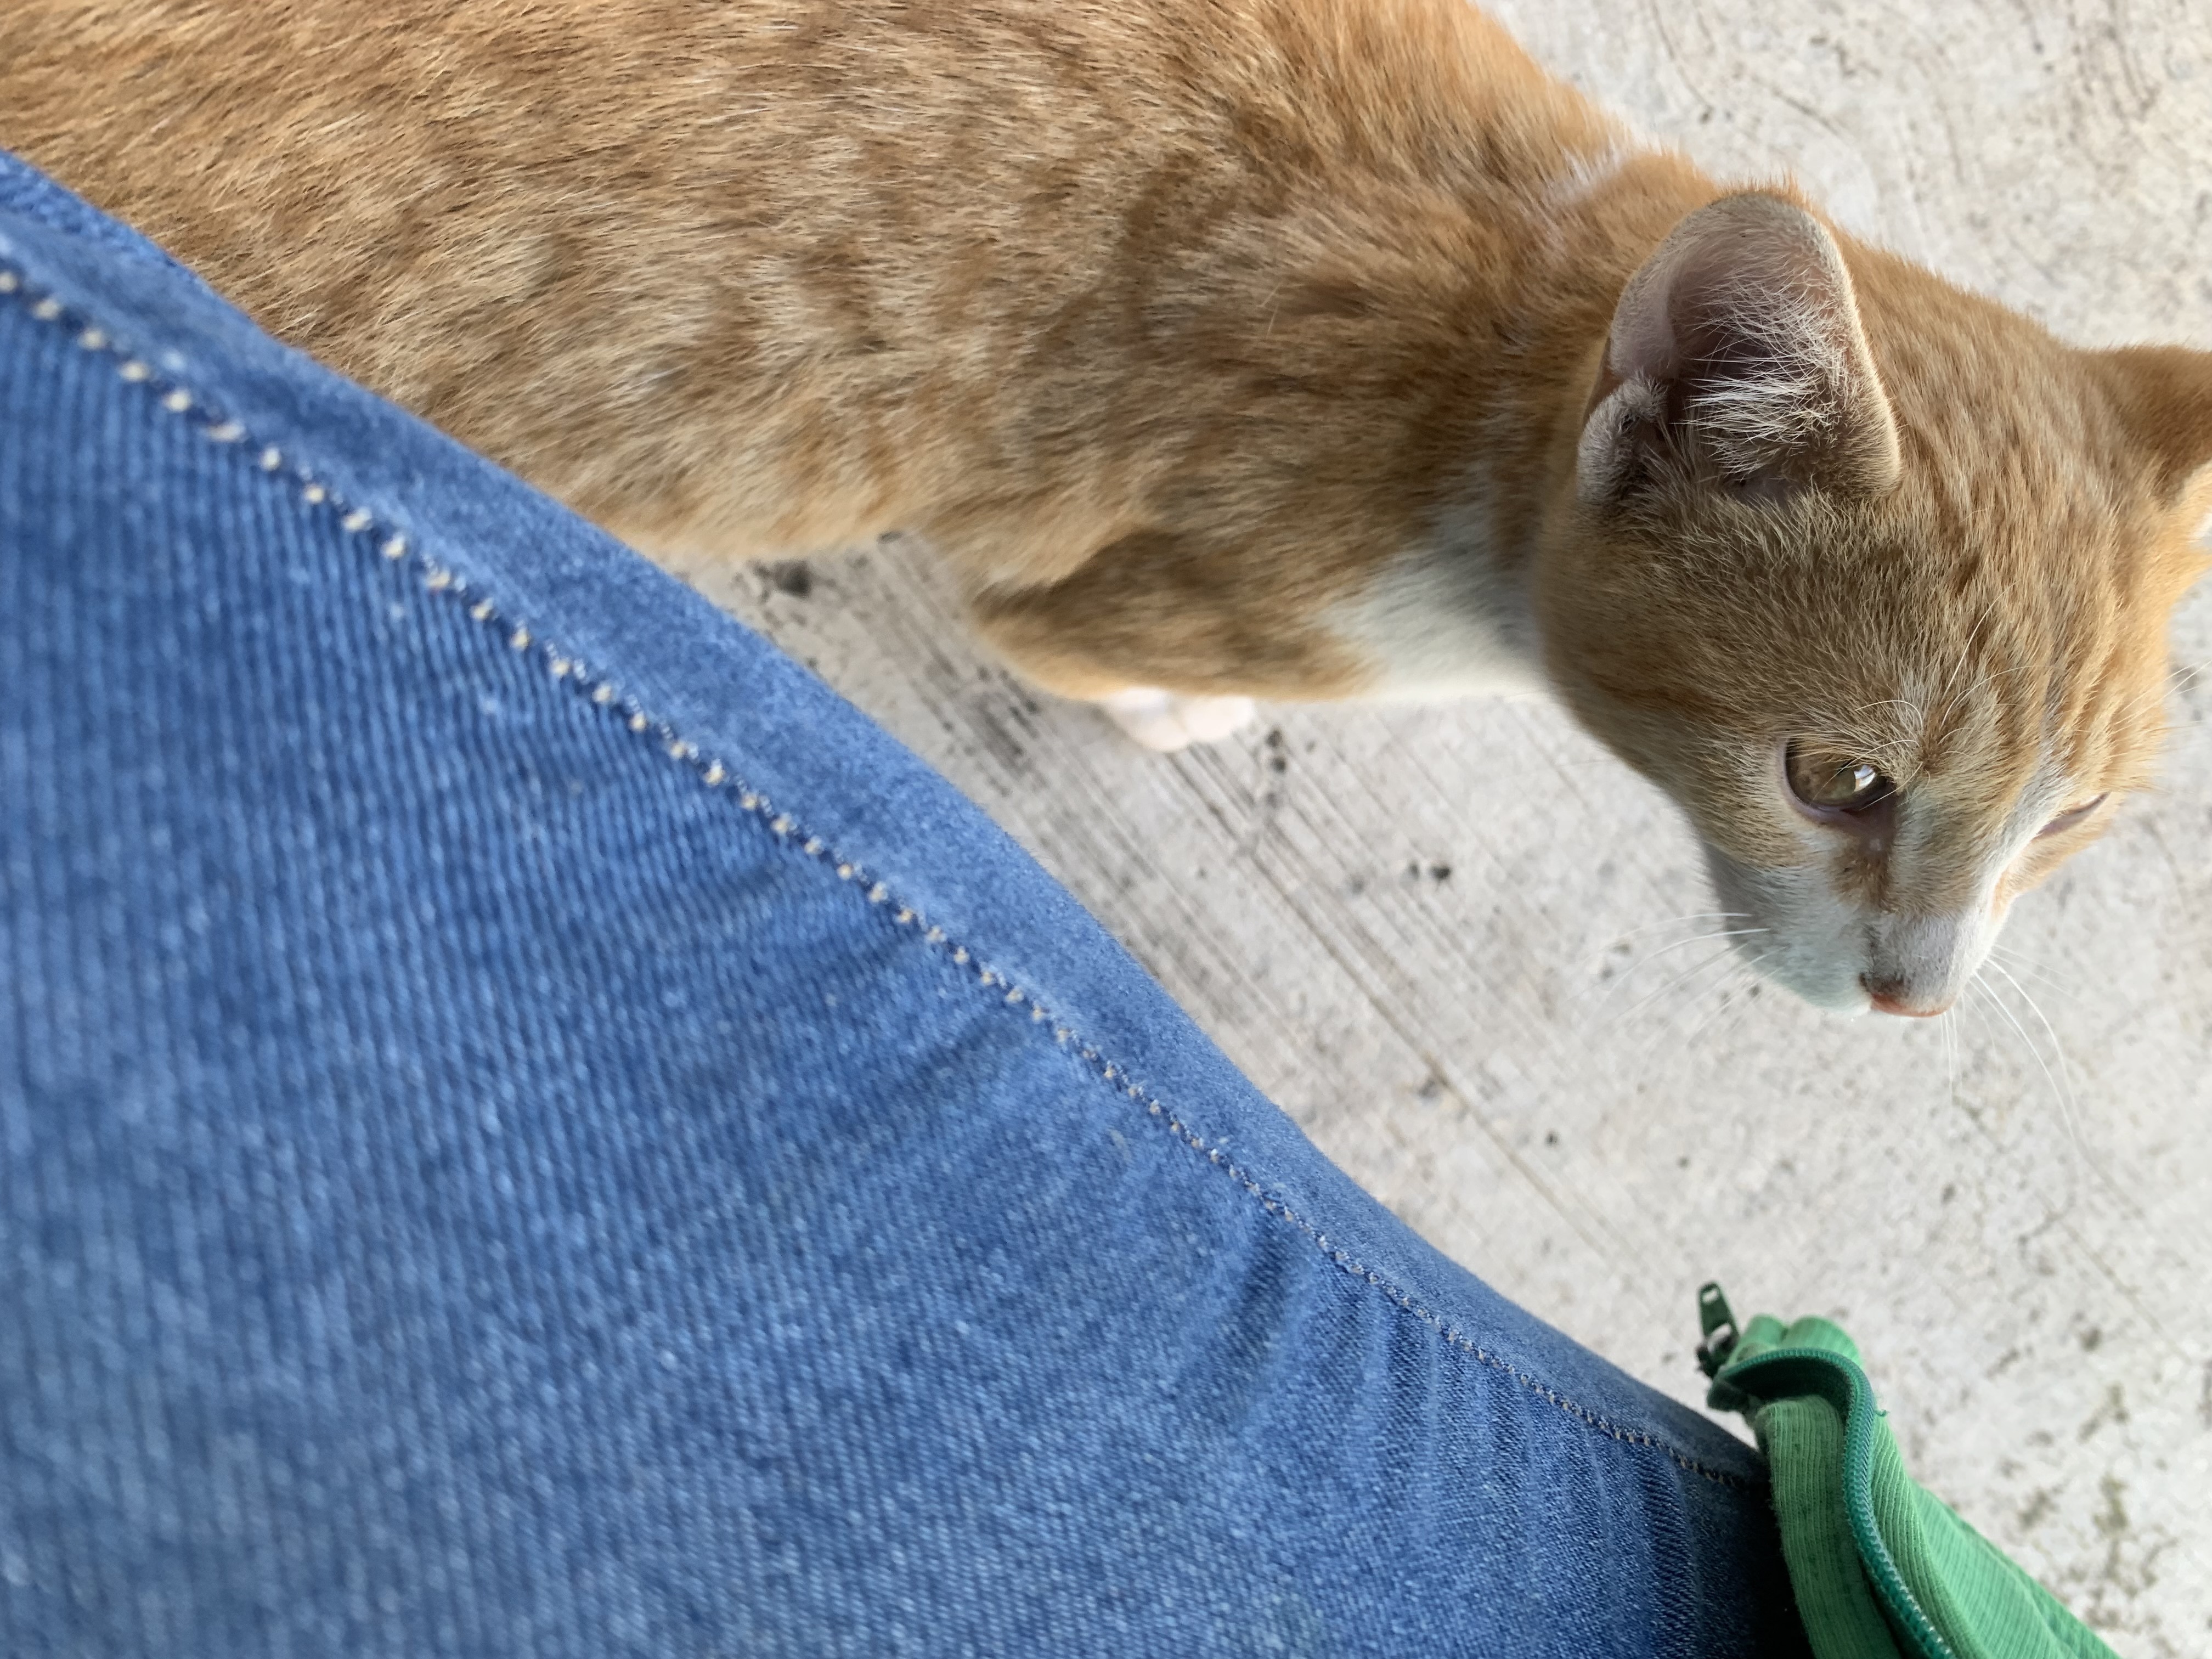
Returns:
<point x="1843" y="1384"/>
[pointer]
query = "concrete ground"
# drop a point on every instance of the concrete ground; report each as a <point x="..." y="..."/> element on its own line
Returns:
<point x="1452" y="941"/>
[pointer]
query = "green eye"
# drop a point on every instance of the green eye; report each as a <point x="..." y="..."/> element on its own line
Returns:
<point x="1830" y="783"/>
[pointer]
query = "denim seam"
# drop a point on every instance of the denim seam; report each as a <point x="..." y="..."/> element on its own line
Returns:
<point x="394" y="548"/>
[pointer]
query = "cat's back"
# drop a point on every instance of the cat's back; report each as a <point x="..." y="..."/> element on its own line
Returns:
<point x="578" y="233"/>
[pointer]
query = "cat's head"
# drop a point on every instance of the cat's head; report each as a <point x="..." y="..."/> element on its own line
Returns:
<point x="1872" y="577"/>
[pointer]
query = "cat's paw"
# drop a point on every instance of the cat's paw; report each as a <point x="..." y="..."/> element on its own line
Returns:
<point x="1163" y="720"/>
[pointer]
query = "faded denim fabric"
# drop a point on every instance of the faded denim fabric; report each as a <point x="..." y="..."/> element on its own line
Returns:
<point x="527" y="1126"/>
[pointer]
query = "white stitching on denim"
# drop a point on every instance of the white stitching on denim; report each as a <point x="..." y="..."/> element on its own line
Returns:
<point x="715" y="775"/>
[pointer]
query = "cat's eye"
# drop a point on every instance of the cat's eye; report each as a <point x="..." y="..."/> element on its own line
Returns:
<point x="2070" y="816"/>
<point x="1829" y="782"/>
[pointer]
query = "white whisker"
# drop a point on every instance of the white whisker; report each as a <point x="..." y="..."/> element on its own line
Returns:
<point x="1727" y="983"/>
<point x="1744" y="975"/>
<point x="1676" y="921"/>
<point x="1688" y="974"/>
<point x="2065" y="1096"/>
<point x="1726" y="933"/>
<point x="1637" y="966"/>
<point x="2036" y="970"/>
<point x="1950" y="1025"/>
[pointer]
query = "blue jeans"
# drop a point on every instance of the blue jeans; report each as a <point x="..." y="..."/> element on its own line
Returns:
<point x="528" y="1125"/>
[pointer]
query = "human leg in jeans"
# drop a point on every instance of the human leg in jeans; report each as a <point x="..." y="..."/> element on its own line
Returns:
<point x="527" y="1126"/>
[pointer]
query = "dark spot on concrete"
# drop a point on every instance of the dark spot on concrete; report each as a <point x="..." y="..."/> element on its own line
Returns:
<point x="2032" y="1512"/>
<point x="792" y="576"/>
<point x="1550" y="1137"/>
<point x="2092" y="1339"/>
<point x="2114" y="1409"/>
<point x="1000" y="729"/>
<point x="1440" y="872"/>
<point x="2112" y="1519"/>
<point x="1950" y="1191"/>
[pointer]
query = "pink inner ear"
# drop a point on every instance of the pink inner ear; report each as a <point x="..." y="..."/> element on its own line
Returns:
<point x="1643" y="344"/>
<point x="2072" y="815"/>
<point x="1745" y="325"/>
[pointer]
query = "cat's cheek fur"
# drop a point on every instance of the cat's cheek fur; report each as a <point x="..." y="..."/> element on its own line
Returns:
<point x="1794" y="929"/>
<point x="1802" y="932"/>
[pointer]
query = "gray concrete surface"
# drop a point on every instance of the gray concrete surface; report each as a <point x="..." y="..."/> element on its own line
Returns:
<point x="1447" y="941"/>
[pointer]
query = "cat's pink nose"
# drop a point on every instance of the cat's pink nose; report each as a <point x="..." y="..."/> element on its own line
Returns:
<point x="1884" y="995"/>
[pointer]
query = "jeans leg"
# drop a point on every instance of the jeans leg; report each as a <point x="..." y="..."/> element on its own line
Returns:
<point x="528" y="1125"/>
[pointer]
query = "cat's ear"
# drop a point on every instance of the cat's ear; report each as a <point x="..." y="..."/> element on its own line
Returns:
<point x="2163" y="398"/>
<point x="1736" y="359"/>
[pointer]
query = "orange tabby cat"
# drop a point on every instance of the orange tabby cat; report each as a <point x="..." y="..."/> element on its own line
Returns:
<point x="1228" y="349"/>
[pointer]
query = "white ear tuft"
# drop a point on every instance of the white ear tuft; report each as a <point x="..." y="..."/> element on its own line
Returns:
<point x="1736" y="358"/>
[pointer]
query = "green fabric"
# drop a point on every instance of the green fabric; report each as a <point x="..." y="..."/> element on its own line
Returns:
<point x="1882" y="1570"/>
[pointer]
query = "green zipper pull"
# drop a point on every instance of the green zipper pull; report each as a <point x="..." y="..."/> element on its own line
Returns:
<point x="1719" y="1327"/>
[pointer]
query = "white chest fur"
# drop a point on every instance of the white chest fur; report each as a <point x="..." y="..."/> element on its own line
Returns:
<point x="1442" y="620"/>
